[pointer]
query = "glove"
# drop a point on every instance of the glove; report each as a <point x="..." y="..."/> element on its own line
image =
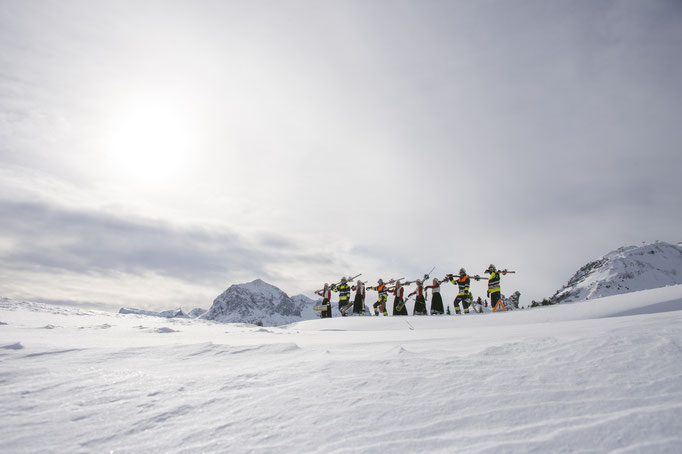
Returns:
<point x="488" y="293"/>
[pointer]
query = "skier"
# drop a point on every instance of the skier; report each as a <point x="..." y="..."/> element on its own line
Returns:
<point x="359" y="302"/>
<point x="494" y="285"/>
<point x="344" y="293"/>
<point x="436" y="300"/>
<point x="464" y="295"/>
<point x="326" y="295"/>
<point x="398" y="291"/>
<point x="419" y="302"/>
<point x="382" y="297"/>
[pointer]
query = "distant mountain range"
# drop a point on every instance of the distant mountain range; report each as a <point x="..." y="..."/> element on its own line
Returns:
<point x="627" y="269"/>
<point x="172" y="313"/>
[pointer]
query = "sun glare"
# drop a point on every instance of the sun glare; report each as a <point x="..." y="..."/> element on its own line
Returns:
<point x="150" y="142"/>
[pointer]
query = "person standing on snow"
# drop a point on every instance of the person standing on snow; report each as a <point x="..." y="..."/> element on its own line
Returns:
<point x="382" y="297"/>
<point x="494" y="290"/>
<point x="419" y="302"/>
<point x="326" y="295"/>
<point x="464" y="295"/>
<point x="398" y="291"/>
<point x="344" y="293"/>
<point x="436" y="300"/>
<point x="359" y="301"/>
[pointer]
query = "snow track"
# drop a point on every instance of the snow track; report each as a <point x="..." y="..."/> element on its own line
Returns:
<point x="599" y="376"/>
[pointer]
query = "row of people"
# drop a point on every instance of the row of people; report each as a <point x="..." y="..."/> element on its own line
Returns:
<point x="397" y="288"/>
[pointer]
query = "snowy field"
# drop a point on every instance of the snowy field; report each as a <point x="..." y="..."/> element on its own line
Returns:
<point x="600" y="376"/>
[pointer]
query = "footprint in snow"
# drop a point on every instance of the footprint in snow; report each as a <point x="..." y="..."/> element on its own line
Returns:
<point x="16" y="346"/>
<point x="165" y="330"/>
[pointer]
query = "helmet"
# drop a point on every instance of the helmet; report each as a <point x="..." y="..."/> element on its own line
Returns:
<point x="359" y="282"/>
<point x="491" y="267"/>
<point x="418" y="282"/>
<point x="462" y="271"/>
<point x="435" y="281"/>
<point x="380" y="281"/>
<point x="343" y="280"/>
<point x="326" y="285"/>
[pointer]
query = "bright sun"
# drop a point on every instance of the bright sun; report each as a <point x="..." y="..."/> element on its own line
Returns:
<point x="150" y="142"/>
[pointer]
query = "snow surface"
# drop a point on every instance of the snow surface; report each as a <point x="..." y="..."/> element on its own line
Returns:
<point x="596" y="376"/>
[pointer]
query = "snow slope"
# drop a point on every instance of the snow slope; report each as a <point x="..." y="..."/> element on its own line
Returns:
<point x="580" y="377"/>
<point x="627" y="269"/>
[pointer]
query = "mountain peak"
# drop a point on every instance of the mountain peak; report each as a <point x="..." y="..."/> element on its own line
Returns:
<point x="260" y="286"/>
<point x="256" y="301"/>
<point x="627" y="269"/>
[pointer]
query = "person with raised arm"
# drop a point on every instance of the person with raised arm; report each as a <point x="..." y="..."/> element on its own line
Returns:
<point x="359" y="301"/>
<point x="344" y="294"/>
<point x="398" y="305"/>
<point x="436" y="300"/>
<point x="326" y="295"/>
<point x="381" y="299"/>
<point x="419" y="302"/>
<point x="463" y="282"/>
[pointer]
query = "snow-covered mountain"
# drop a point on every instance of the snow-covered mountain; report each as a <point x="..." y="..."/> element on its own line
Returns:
<point x="171" y="313"/>
<point x="627" y="269"/>
<point x="196" y="312"/>
<point x="259" y="301"/>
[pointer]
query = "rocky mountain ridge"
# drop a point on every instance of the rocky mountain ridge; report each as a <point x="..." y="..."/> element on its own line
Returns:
<point x="259" y="302"/>
<point x="627" y="269"/>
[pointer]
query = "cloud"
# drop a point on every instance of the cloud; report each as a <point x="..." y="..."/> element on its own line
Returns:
<point x="42" y="236"/>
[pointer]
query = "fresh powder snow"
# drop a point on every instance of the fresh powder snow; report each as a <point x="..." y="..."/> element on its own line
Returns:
<point x="596" y="376"/>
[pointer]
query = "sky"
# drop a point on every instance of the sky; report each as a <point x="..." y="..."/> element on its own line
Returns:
<point x="152" y="153"/>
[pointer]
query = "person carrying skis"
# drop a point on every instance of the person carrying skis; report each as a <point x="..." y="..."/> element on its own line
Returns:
<point x="359" y="301"/>
<point x="398" y="291"/>
<point x="382" y="297"/>
<point x="419" y="302"/>
<point x="344" y="294"/>
<point x="464" y="295"/>
<point x="436" y="300"/>
<point x="494" y="290"/>
<point x="326" y="295"/>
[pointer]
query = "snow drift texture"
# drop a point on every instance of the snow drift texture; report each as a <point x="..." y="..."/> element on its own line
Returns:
<point x="595" y="377"/>
<point x="628" y="269"/>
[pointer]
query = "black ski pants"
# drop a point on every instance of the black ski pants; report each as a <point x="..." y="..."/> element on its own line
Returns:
<point x="466" y="302"/>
